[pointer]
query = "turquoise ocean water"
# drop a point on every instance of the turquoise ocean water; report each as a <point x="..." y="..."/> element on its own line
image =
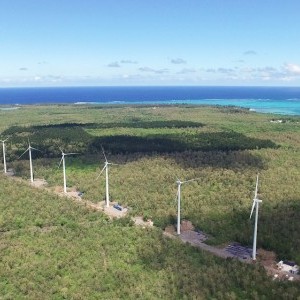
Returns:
<point x="276" y="100"/>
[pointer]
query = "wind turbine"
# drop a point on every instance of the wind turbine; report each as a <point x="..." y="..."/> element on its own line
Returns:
<point x="255" y="205"/>
<point x="106" y="164"/>
<point x="179" y="183"/>
<point x="30" y="158"/>
<point x="64" y="167"/>
<point x="4" y="158"/>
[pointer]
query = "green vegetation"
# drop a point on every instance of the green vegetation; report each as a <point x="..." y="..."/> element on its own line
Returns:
<point x="52" y="247"/>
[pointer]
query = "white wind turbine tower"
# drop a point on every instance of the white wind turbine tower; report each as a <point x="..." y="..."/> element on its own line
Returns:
<point x="106" y="164"/>
<point x="64" y="167"/>
<point x="179" y="183"/>
<point x="30" y="159"/>
<point x="255" y="205"/>
<point x="4" y="158"/>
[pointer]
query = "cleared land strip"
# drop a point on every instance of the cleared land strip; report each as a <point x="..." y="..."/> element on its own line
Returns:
<point x="192" y="238"/>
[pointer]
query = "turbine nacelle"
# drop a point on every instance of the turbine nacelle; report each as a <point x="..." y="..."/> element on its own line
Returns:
<point x="178" y="182"/>
<point x="29" y="149"/>
<point x="63" y="156"/>
<point x="255" y="202"/>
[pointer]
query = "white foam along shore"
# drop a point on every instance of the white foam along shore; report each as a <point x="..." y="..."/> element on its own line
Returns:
<point x="9" y="108"/>
<point x="253" y="105"/>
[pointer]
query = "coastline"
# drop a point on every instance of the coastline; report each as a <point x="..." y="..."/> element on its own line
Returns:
<point x="263" y="107"/>
<point x="273" y="100"/>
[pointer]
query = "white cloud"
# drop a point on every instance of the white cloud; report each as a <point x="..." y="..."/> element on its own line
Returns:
<point x="128" y="61"/>
<point x="250" y="52"/>
<point x="186" y="71"/>
<point x="156" y="71"/>
<point x="210" y="70"/>
<point x="178" y="61"/>
<point x="225" y="70"/>
<point x="114" y="64"/>
<point x="292" y="69"/>
<point x="288" y="73"/>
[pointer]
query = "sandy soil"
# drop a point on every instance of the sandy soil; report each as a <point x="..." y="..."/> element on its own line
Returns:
<point x="140" y="222"/>
<point x="39" y="183"/>
<point x="268" y="260"/>
<point x="113" y="212"/>
<point x="9" y="172"/>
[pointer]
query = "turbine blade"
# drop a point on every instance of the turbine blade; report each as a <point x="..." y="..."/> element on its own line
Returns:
<point x="60" y="161"/>
<point x="176" y="199"/>
<point x="71" y="153"/>
<point x="177" y="177"/>
<point x="35" y="149"/>
<point x="101" y="172"/>
<point x="104" y="153"/>
<point x="178" y="181"/>
<point x="23" y="153"/>
<point x="191" y="180"/>
<point x="253" y="205"/>
<point x="256" y="188"/>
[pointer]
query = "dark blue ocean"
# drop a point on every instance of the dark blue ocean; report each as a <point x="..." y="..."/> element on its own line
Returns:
<point x="278" y="100"/>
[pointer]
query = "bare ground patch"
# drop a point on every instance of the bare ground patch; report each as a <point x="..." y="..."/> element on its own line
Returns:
<point x="139" y="221"/>
<point x="268" y="260"/>
<point x="113" y="212"/>
<point x="39" y="183"/>
<point x="10" y="172"/>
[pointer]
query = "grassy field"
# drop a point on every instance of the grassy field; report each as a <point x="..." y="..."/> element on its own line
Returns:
<point x="50" y="246"/>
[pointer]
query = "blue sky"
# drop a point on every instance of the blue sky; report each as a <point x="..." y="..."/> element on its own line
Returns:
<point x="149" y="42"/>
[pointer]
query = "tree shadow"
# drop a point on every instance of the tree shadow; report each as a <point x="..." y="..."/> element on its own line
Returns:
<point x="138" y="123"/>
<point x="49" y="139"/>
<point x="227" y="147"/>
<point x="214" y="141"/>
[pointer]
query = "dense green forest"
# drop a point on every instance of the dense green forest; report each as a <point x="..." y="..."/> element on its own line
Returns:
<point x="84" y="254"/>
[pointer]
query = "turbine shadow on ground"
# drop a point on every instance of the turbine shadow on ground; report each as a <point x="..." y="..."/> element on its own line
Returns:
<point x="278" y="224"/>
